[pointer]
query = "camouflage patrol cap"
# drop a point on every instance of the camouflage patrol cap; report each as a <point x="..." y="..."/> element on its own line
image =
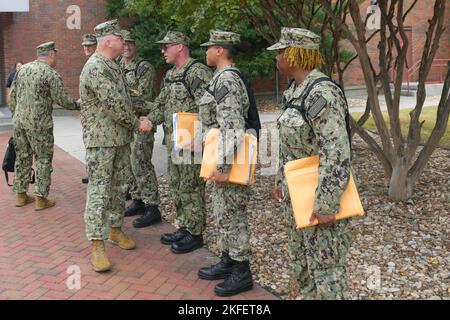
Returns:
<point x="297" y="38"/>
<point x="128" y="36"/>
<point x="174" y="37"/>
<point x="107" y="28"/>
<point x="46" y="47"/>
<point x="219" y="37"/>
<point x="89" y="40"/>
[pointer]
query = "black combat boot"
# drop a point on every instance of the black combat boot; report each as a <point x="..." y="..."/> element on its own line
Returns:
<point x="187" y="244"/>
<point x="151" y="216"/>
<point x="219" y="270"/>
<point x="128" y="196"/>
<point x="169" y="238"/>
<point x="136" y="207"/>
<point x="238" y="281"/>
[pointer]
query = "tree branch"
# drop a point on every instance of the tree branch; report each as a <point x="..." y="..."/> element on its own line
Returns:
<point x="409" y="10"/>
<point x="360" y="46"/>
<point x="247" y="13"/>
<point x="367" y="41"/>
<point x="439" y="129"/>
<point x="392" y="103"/>
<point x="366" y="114"/>
<point x="374" y="147"/>
<point x="272" y="21"/>
<point x="433" y="35"/>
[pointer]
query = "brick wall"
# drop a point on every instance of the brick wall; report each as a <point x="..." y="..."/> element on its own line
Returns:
<point x="418" y="20"/>
<point x="47" y="21"/>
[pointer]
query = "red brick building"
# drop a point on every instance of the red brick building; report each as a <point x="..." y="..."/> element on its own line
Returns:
<point x="65" y="21"/>
<point x="417" y="24"/>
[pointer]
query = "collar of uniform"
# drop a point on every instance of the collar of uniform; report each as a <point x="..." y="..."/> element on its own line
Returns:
<point x="230" y="66"/>
<point x="132" y="64"/>
<point x="42" y="62"/>
<point x="298" y="91"/>
<point x="112" y="64"/>
<point x="178" y="72"/>
<point x="218" y="72"/>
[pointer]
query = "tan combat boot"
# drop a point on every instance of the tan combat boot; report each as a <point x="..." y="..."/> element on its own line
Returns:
<point x="23" y="199"/>
<point x="117" y="237"/>
<point x="44" y="203"/>
<point x="99" y="259"/>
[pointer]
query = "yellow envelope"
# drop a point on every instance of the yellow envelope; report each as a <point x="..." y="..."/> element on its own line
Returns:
<point x="184" y="129"/>
<point x="302" y="178"/>
<point x="243" y="167"/>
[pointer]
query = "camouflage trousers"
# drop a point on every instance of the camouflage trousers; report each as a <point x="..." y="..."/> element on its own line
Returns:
<point x="188" y="193"/>
<point x="37" y="143"/>
<point x="108" y="170"/>
<point x="319" y="255"/>
<point x="143" y="183"/>
<point x="229" y="211"/>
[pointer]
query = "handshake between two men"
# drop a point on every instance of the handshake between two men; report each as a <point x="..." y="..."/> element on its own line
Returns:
<point x="145" y="125"/>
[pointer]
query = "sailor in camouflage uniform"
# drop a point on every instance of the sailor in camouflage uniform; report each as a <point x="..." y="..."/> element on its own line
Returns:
<point x="108" y="125"/>
<point x="225" y="106"/>
<point x="36" y="89"/>
<point x="309" y="126"/>
<point x="182" y="88"/>
<point x="89" y="43"/>
<point x="140" y="77"/>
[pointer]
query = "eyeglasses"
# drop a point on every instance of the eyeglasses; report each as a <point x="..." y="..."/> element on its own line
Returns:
<point x="167" y="46"/>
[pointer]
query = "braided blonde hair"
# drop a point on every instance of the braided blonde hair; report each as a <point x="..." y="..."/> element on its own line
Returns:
<point x="307" y="59"/>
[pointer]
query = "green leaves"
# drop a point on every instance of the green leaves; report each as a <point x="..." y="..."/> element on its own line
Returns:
<point x="258" y="21"/>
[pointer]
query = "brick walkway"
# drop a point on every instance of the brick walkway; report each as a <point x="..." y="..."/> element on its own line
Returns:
<point x="37" y="248"/>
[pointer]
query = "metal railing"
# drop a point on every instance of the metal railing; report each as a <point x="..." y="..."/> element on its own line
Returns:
<point x="440" y="63"/>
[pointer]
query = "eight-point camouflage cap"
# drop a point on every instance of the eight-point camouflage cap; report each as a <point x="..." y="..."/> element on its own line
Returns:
<point x="174" y="37"/>
<point x="46" y="47"/>
<point x="218" y="37"/>
<point x="128" y="36"/>
<point x="297" y="38"/>
<point x="107" y="28"/>
<point x="89" y="40"/>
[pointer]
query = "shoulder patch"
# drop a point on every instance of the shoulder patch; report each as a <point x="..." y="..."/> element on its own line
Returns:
<point x="221" y="93"/>
<point x="196" y="83"/>
<point x="316" y="108"/>
<point x="142" y="68"/>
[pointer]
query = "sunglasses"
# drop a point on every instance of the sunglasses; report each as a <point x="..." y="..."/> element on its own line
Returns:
<point x="164" y="47"/>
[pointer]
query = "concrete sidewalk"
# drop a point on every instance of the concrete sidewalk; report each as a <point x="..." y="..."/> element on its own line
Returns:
<point x="68" y="136"/>
<point x="68" y="127"/>
<point x="358" y="103"/>
<point x="37" y="249"/>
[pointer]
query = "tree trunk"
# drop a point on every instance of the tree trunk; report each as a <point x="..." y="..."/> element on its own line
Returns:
<point x="400" y="184"/>
<point x="397" y="154"/>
